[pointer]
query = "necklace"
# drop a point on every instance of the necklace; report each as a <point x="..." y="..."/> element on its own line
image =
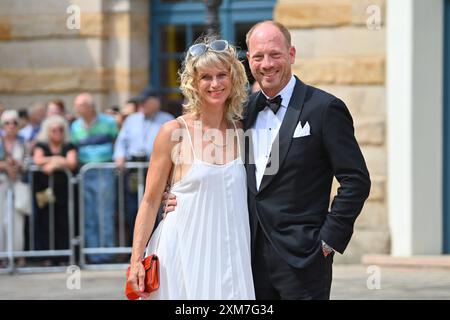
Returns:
<point x="212" y="138"/>
<point x="207" y="136"/>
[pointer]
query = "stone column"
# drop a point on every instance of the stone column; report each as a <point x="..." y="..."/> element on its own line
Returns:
<point x="127" y="48"/>
<point x="415" y="90"/>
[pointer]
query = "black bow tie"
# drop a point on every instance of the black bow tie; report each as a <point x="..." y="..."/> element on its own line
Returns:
<point x="274" y="104"/>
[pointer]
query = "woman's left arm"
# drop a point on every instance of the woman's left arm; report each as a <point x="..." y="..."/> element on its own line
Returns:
<point x="72" y="160"/>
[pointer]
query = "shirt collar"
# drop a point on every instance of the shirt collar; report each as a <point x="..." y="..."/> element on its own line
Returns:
<point x="151" y="117"/>
<point x="286" y="92"/>
<point x="92" y="123"/>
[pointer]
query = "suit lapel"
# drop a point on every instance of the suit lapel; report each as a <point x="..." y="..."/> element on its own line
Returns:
<point x="286" y="132"/>
<point x="249" y="120"/>
<point x="250" y="113"/>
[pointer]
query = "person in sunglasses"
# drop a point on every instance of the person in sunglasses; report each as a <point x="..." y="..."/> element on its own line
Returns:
<point x="13" y="157"/>
<point x="294" y="234"/>
<point x="204" y="245"/>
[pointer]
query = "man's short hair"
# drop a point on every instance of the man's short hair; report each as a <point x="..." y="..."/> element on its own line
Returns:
<point x="148" y="93"/>
<point x="279" y="26"/>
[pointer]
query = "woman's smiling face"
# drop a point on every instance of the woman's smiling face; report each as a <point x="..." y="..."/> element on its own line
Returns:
<point x="214" y="85"/>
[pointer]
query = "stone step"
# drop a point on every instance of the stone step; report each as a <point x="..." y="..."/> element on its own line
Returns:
<point x="441" y="261"/>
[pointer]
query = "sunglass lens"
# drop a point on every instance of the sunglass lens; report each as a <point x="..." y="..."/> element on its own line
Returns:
<point x="219" y="45"/>
<point x="197" y="49"/>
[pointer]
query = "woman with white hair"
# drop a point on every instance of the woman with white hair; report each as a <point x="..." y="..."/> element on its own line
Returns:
<point x="12" y="159"/>
<point x="54" y="154"/>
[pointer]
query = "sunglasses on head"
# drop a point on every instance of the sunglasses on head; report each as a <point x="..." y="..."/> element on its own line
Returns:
<point x="200" y="48"/>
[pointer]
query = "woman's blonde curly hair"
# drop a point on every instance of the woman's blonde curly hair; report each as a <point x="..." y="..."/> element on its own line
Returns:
<point x="189" y="72"/>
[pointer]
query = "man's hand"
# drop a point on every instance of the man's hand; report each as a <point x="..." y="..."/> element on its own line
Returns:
<point x="326" y="249"/>
<point x="120" y="163"/>
<point x="325" y="252"/>
<point x="169" y="201"/>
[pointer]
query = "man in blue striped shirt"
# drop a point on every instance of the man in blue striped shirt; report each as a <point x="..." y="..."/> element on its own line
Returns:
<point x="94" y="135"/>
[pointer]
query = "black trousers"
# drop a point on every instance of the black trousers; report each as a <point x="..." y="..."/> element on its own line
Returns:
<point x="275" y="279"/>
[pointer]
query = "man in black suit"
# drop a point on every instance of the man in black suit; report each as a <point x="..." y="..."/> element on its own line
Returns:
<point x="301" y="137"/>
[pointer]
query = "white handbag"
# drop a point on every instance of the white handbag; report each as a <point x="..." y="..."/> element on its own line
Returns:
<point x="22" y="197"/>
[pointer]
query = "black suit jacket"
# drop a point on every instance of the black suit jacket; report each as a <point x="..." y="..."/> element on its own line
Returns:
<point x="292" y="206"/>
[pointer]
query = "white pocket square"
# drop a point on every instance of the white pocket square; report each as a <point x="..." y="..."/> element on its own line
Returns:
<point x="302" y="131"/>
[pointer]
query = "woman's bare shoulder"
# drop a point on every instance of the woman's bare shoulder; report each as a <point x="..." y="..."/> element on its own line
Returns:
<point x="167" y="133"/>
<point x="170" y="127"/>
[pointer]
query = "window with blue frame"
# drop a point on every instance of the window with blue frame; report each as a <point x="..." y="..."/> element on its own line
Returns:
<point x="174" y="26"/>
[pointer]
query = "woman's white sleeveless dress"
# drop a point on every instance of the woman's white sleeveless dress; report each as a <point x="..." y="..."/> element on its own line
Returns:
<point x="204" y="245"/>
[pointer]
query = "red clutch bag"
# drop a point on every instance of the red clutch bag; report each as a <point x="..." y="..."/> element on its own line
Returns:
<point x="151" y="266"/>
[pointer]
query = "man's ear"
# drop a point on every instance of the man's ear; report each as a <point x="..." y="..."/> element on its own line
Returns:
<point x="292" y="54"/>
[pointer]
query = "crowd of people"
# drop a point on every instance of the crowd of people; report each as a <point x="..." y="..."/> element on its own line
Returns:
<point x="56" y="141"/>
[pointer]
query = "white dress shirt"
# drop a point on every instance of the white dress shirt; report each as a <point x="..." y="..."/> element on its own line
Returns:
<point x="138" y="134"/>
<point x="266" y="128"/>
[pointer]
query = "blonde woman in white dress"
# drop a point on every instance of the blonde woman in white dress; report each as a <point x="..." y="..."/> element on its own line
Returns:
<point x="204" y="245"/>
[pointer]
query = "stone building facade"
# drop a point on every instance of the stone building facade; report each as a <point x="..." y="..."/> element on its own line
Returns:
<point x="43" y="54"/>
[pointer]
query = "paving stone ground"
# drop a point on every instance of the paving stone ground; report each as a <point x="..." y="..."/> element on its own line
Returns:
<point x="349" y="282"/>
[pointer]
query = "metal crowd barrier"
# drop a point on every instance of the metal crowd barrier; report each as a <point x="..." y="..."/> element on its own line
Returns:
<point x="102" y="249"/>
<point x="11" y="254"/>
<point x="77" y="243"/>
